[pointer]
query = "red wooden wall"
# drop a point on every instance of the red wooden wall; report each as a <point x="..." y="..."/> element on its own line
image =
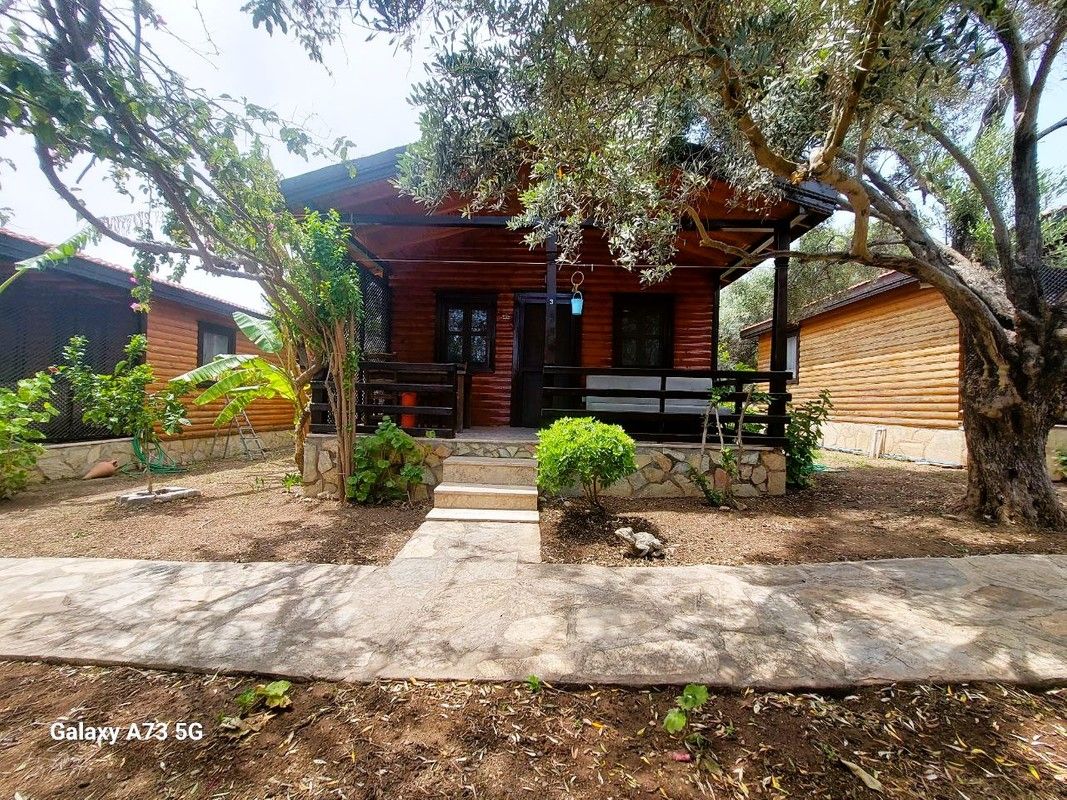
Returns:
<point x="414" y="287"/>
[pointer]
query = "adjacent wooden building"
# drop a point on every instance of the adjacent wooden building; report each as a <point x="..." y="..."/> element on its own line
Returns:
<point x="888" y="350"/>
<point x="89" y="297"/>
<point x="468" y="326"/>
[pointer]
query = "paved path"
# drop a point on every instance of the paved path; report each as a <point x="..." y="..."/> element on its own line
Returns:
<point x="471" y="601"/>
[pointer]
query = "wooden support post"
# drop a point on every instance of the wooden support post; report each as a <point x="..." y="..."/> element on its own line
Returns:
<point x="779" y="323"/>
<point x="715" y="298"/>
<point x="551" y="250"/>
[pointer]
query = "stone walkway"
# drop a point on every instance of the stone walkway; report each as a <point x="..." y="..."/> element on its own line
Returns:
<point x="472" y="601"/>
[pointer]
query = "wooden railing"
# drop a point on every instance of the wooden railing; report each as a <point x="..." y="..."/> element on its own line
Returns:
<point x="657" y="405"/>
<point x="419" y="397"/>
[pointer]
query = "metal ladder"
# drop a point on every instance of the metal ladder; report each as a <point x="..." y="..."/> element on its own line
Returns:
<point x="250" y="441"/>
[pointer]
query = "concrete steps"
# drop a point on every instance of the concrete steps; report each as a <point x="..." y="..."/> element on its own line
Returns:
<point x="485" y="495"/>
<point x="482" y="515"/>
<point x="480" y="489"/>
<point x="493" y="471"/>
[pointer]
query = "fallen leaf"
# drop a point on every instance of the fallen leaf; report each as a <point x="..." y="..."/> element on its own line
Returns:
<point x="868" y="779"/>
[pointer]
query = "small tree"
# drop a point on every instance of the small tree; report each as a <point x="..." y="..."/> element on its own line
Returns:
<point x="582" y="451"/>
<point x="241" y="379"/>
<point x="730" y="454"/>
<point x="21" y="410"/>
<point x="120" y="400"/>
<point x="804" y="434"/>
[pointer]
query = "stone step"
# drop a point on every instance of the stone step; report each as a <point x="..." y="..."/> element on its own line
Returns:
<point x="481" y="495"/>
<point x="488" y="470"/>
<point x="482" y="515"/>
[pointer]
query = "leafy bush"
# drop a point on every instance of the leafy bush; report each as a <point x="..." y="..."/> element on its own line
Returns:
<point x="386" y="466"/>
<point x="1061" y="461"/>
<point x="21" y="408"/>
<point x="582" y="451"/>
<point x="120" y="400"/>
<point x="804" y="433"/>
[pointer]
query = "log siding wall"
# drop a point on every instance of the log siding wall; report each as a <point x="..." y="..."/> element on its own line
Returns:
<point x="414" y="288"/>
<point x="889" y="360"/>
<point x="172" y="350"/>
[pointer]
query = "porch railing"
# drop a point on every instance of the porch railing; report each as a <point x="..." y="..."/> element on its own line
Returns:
<point x="420" y="398"/>
<point x="667" y="404"/>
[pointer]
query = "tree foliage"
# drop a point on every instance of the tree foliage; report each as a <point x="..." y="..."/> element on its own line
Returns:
<point x="22" y="409"/>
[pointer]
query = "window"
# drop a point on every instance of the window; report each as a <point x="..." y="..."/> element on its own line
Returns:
<point x="792" y="355"/>
<point x="466" y="328"/>
<point x="214" y="340"/>
<point x="644" y="331"/>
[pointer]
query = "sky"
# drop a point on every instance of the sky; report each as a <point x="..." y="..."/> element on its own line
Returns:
<point x="360" y="92"/>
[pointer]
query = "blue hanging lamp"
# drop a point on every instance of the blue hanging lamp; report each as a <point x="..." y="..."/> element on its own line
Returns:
<point x="577" y="301"/>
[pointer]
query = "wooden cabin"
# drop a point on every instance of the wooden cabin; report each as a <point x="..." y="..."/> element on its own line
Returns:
<point x="83" y="295"/>
<point x="888" y="350"/>
<point x="467" y="326"/>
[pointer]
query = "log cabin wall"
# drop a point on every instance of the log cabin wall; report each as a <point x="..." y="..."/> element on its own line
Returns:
<point x="889" y="360"/>
<point x="414" y="292"/>
<point x="173" y="348"/>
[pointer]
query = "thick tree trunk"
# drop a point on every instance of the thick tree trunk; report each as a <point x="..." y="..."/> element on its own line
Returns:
<point x="1007" y="432"/>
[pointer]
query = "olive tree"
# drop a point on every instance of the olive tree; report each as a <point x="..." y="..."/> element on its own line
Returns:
<point x="621" y="111"/>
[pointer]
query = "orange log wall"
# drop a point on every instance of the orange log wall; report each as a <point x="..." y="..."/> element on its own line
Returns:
<point x="889" y="360"/>
<point x="172" y="350"/>
<point x="414" y="288"/>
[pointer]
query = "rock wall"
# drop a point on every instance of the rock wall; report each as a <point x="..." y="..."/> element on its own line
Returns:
<point x="661" y="469"/>
<point x="932" y="445"/>
<point x="74" y="459"/>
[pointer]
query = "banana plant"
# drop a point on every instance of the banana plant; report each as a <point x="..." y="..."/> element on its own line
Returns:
<point x="240" y="379"/>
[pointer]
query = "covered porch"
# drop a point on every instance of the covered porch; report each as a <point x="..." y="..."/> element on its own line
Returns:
<point x="468" y="327"/>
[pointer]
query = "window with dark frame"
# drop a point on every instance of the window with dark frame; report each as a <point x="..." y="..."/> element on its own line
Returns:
<point x="643" y="331"/>
<point x="214" y="340"/>
<point x="792" y="355"/>
<point x="466" y="330"/>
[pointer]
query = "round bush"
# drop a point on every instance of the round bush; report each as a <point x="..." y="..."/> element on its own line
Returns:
<point x="583" y="452"/>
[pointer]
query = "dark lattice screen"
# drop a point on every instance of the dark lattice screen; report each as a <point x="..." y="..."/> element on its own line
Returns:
<point x="374" y="336"/>
<point x="37" y="320"/>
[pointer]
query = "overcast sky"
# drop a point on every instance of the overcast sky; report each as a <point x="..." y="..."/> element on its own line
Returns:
<point x="361" y="92"/>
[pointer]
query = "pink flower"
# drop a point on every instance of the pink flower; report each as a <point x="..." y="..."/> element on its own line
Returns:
<point x="135" y="306"/>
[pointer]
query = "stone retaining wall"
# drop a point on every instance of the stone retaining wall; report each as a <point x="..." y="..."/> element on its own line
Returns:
<point x="943" y="446"/>
<point x="661" y="469"/>
<point x="73" y="460"/>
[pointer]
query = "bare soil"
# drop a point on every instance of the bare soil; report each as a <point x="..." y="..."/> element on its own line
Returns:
<point x="862" y="509"/>
<point x="451" y="740"/>
<point x="244" y="514"/>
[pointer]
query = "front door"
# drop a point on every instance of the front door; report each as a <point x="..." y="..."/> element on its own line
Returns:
<point x="529" y="349"/>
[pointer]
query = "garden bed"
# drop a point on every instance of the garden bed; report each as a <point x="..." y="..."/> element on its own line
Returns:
<point x="449" y="740"/>
<point x="243" y="514"/>
<point x="864" y="509"/>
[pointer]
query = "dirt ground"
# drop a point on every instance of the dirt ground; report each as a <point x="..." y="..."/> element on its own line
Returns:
<point x="452" y="740"/>
<point x="244" y="514"/>
<point x="861" y="509"/>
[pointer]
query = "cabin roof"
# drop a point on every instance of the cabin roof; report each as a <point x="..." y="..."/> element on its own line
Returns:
<point x="18" y="247"/>
<point x="389" y="227"/>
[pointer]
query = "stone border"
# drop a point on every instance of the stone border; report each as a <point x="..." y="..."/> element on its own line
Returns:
<point x="73" y="459"/>
<point x="661" y="468"/>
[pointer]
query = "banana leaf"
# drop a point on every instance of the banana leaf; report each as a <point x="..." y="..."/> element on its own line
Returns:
<point x="263" y="333"/>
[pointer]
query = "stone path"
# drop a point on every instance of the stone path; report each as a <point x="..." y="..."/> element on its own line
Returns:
<point x="472" y="601"/>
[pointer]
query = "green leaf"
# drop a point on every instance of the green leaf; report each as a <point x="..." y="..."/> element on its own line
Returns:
<point x="263" y="333"/>
<point x="675" y="721"/>
<point x="693" y="696"/>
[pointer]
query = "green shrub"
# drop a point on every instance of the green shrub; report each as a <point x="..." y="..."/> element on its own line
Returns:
<point x="804" y="433"/>
<point x="1061" y="461"/>
<point x="386" y="466"/>
<point x="22" y="408"/>
<point x="583" y="452"/>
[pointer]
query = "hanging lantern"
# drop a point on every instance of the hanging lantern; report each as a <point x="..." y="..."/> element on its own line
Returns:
<point x="577" y="301"/>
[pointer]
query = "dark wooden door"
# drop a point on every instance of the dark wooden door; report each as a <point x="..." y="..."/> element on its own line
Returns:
<point x="529" y="358"/>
